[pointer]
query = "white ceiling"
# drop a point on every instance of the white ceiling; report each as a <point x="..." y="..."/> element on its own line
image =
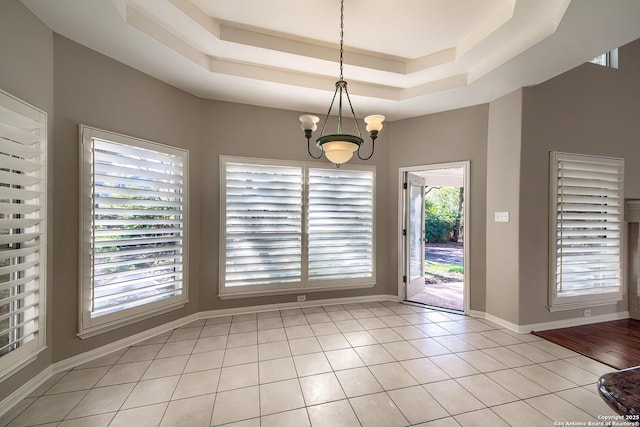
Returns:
<point x="403" y="58"/>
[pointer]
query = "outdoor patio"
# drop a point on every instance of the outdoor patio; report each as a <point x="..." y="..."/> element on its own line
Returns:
<point x="443" y="288"/>
<point x="444" y="295"/>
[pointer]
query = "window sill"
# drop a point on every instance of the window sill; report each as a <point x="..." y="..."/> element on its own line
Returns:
<point x="18" y="364"/>
<point x="110" y="326"/>
<point x="582" y="304"/>
<point x="290" y="291"/>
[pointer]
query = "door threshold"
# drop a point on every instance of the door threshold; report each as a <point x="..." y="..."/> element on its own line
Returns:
<point x="433" y="307"/>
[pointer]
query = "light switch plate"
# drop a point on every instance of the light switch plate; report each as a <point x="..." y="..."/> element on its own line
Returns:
<point x="501" y="216"/>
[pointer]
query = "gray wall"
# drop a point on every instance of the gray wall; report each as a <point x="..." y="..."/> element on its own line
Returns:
<point x="439" y="138"/>
<point x="26" y="71"/>
<point x="503" y="178"/>
<point x="272" y="134"/>
<point x="94" y="90"/>
<point x="588" y="110"/>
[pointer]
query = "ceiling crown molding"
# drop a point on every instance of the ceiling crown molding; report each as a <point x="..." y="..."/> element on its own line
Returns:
<point x="404" y="58"/>
<point x="242" y="50"/>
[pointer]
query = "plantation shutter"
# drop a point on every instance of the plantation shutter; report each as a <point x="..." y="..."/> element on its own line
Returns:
<point x="263" y="224"/>
<point x="22" y="227"/>
<point x="340" y="224"/>
<point x="587" y="219"/>
<point x="137" y="225"/>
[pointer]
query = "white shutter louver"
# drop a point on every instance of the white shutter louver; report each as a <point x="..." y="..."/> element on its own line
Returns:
<point x="22" y="228"/>
<point x="137" y="226"/>
<point x="587" y="205"/>
<point x="263" y="224"/>
<point x="340" y="224"/>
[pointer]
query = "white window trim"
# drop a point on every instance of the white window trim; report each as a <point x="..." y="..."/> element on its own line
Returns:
<point x="87" y="326"/>
<point x="304" y="285"/>
<point x="610" y="59"/>
<point x="559" y="303"/>
<point x="12" y="362"/>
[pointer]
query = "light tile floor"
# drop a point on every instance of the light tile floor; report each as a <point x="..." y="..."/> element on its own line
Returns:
<point x="373" y="364"/>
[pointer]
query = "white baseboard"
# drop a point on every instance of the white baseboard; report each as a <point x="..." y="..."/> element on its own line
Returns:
<point x="576" y="321"/>
<point x="96" y="353"/>
<point x="476" y="313"/>
<point x="26" y="389"/>
<point x="289" y="305"/>
<point x="504" y="323"/>
<point x="495" y="319"/>
<point x="556" y="324"/>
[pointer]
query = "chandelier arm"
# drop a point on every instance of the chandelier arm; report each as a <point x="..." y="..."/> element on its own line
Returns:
<point x="373" y="148"/>
<point x="309" y="150"/>
<point x="353" y="113"/>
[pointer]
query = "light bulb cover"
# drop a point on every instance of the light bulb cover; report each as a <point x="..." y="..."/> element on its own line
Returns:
<point x="339" y="157"/>
<point x="374" y="122"/>
<point x="339" y="152"/>
<point x="309" y="122"/>
<point x="339" y="148"/>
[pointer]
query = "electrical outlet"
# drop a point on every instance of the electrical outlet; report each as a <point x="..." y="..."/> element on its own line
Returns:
<point x="587" y="313"/>
<point x="302" y="298"/>
<point x="501" y="217"/>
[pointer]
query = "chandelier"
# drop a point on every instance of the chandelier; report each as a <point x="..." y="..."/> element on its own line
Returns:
<point x="339" y="147"/>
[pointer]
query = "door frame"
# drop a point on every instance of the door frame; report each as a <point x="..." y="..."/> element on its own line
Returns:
<point x="466" y="166"/>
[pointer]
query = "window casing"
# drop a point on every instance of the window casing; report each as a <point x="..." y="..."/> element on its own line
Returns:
<point x="608" y="59"/>
<point x="586" y="239"/>
<point x="134" y="210"/>
<point x="23" y="213"/>
<point x="288" y="226"/>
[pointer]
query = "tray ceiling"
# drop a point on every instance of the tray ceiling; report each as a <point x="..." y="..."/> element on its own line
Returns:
<point x="402" y="59"/>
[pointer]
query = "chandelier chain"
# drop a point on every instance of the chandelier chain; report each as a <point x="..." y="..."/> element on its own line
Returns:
<point x="341" y="35"/>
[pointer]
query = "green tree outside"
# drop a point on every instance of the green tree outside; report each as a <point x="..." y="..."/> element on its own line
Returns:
<point x="443" y="214"/>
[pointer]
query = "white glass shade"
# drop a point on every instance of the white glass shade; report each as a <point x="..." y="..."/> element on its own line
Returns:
<point x="339" y="152"/>
<point x="374" y="122"/>
<point x="309" y="122"/>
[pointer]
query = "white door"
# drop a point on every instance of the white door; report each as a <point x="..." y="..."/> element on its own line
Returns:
<point x="414" y="232"/>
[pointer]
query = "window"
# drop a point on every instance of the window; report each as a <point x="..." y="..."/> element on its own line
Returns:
<point x="23" y="213"/>
<point x="586" y="231"/>
<point x="134" y="229"/>
<point x="340" y="224"/>
<point x="295" y="226"/>
<point x="609" y="59"/>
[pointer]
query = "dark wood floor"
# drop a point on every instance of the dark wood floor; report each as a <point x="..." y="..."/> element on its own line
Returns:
<point x="615" y="343"/>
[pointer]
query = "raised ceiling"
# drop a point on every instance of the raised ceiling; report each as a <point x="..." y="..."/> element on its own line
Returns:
<point x="403" y="58"/>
